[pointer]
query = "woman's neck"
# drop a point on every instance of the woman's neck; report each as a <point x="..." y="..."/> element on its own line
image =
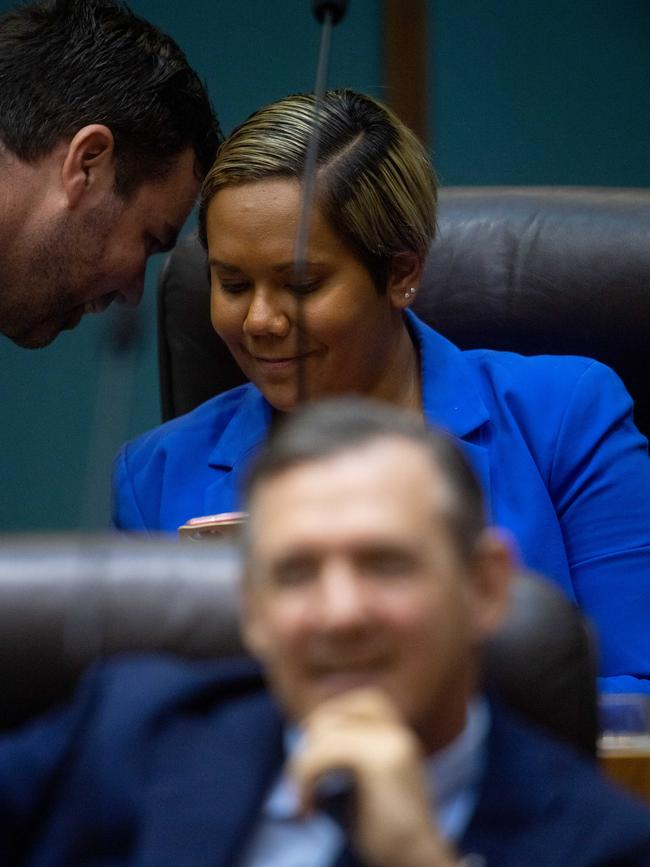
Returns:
<point x="402" y="385"/>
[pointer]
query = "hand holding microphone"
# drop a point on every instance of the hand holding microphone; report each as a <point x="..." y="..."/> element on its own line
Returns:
<point x="357" y="746"/>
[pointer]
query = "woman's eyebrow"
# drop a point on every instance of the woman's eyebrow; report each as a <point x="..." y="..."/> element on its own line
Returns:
<point x="280" y="268"/>
<point x="291" y="266"/>
<point x="224" y="266"/>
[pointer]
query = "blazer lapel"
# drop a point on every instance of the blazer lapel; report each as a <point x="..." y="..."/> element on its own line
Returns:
<point x="231" y="454"/>
<point x="479" y="458"/>
<point x="201" y="809"/>
<point x="516" y="802"/>
<point x="451" y="396"/>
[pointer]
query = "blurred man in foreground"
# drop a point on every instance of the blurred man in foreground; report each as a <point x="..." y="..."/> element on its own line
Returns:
<point x="371" y="583"/>
<point x="105" y="135"/>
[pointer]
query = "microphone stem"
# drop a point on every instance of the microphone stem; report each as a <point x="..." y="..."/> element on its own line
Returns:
<point x="307" y="200"/>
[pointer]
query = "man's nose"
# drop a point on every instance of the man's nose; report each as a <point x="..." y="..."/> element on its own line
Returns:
<point x="266" y="315"/>
<point x="343" y="601"/>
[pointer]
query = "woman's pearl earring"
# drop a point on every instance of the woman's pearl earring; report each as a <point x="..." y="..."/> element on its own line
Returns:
<point x="410" y="293"/>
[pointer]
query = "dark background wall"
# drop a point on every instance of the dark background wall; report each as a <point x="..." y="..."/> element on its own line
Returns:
<point x="553" y="92"/>
<point x="518" y="93"/>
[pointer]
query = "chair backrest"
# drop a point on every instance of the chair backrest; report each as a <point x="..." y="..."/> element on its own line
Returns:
<point x="559" y="270"/>
<point x="67" y="601"/>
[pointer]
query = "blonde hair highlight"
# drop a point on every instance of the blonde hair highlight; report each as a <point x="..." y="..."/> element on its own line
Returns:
<point x="375" y="183"/>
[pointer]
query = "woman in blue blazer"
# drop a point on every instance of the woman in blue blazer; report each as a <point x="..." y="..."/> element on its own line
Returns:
<point x="552" y="438"/>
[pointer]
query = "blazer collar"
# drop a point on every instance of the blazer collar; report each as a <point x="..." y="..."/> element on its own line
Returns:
<point x="245" y="431"/>
<point x="450" y="396"/>
<point x="450" y="392"/>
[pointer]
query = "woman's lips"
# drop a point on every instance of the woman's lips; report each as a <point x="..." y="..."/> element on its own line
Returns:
<point x="278" y="366"/>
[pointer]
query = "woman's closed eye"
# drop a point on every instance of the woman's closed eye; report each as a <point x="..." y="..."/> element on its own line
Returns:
<point x="304" y="287"/>
<point x="234" y="287"/>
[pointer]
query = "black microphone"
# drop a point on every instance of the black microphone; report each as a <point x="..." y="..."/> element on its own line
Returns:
<point x="335" y="795"/>
<point x="337" y="8"/>
<point x="329" y="13"/>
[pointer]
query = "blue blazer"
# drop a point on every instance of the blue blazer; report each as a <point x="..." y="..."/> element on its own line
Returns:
<point x="552" y="439"/>
<point x="161" y="763"/>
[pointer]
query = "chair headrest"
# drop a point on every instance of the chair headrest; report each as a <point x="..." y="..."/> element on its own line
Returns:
<point x="67" y="601"/>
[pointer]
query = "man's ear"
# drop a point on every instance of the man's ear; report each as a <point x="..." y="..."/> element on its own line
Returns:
<point x="88" y="170"/>
<point x="491" y="583"/>
<point x="404" y="279"/>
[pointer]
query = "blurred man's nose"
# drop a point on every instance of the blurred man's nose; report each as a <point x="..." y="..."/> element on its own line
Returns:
<point x="342" y="598"/>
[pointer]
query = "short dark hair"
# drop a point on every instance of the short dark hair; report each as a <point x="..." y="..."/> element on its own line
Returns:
<point x="326" y="428"/>
<point x="376" y="186"/>
<point x="65" y="64"/>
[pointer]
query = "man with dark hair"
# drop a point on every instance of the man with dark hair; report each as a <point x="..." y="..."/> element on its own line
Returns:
<point x="371" y="583"/>
<point x="105" y="135"/>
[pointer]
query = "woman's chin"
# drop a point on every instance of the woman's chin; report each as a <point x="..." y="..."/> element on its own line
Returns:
<point x="281" y="399"/>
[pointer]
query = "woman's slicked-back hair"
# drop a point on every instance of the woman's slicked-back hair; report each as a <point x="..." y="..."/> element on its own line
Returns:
<point x="375" y="184"/>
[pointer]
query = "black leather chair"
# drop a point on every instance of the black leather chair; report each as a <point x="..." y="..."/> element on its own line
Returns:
<point x="560" y="270"/>
<point x="67" y="601"/>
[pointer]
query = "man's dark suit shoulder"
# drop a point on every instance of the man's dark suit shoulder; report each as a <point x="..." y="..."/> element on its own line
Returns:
<point x="544" y="804"/>
<point x="89" y="777"/>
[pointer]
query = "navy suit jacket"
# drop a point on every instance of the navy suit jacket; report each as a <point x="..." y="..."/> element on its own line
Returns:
<point x="551" y="438"/>
<point x="163" y="763"/>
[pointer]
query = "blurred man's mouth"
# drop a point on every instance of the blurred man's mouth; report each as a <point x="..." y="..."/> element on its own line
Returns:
<point x="351" y="674"/>
<point x="341" y="681"/>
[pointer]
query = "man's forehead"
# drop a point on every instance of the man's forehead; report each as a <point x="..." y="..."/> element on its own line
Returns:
<point x="386" y="482"/>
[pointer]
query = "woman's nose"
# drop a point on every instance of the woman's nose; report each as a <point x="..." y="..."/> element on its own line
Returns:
<point x="266" y="315"/>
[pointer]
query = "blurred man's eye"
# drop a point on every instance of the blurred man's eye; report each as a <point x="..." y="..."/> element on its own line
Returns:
<point x="387" y="563"/>
<point x="295" y="573"/>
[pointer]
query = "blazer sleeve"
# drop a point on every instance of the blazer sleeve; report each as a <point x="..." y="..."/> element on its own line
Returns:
<point x="600" y="483"/>
<point x="126" y="512"/>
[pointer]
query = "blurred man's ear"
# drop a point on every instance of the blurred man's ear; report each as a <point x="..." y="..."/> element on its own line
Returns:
<point x="493" y="574"/>
<point x="88" y="171"/>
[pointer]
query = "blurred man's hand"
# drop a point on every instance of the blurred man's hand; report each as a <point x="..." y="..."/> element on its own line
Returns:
<point x="360" y="731"/>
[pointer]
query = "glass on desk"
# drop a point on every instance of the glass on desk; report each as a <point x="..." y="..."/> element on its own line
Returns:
<point x="624" y="742"/>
